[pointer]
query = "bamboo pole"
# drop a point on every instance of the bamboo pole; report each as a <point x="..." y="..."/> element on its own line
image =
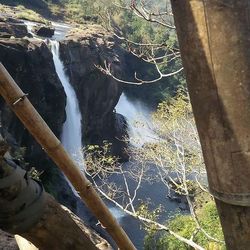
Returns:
<point x="214" y="42"/>
<point x="28" y="115"/>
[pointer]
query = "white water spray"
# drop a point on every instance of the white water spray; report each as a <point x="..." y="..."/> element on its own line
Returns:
<point x="61" y="30"/>
<point x="72" y="133"/>
<point x="30" y="25"/>
<point x="139" y="121"/>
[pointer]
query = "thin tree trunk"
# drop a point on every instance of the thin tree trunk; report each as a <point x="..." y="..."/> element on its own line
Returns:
<point x="214" y="41"/>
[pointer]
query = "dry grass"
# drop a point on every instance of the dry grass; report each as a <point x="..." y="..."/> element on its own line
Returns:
<point x="27" y="14"/>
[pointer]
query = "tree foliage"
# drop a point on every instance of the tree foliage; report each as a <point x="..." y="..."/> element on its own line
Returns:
<point x="177" y="152"/>
<point x="185" y="226"/>
<point x="173" y="158"/>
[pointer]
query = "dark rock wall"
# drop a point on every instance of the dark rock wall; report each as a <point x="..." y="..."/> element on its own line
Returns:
<point x="32" y="67"/>
<point x="97" y="93"/>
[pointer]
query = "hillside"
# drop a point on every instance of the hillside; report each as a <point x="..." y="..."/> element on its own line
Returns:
<point x="39" y="10"/>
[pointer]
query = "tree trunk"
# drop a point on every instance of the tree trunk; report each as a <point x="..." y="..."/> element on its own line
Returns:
<point x="214" y="41"/>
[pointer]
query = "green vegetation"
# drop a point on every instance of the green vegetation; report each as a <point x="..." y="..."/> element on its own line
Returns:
<point x="185" y="226"/>
<point x="28" y="14"/>
<point x="176" y="161"/>
<point x="75" y="11"/>
<point x="179" y="154"/>
<point x="21" y="12"/>
<point x="162" y="41"/>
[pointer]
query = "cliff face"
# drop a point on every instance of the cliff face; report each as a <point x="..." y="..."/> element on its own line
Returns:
<point x="30" y="64"/>
<point x="12" y="27"/>
<point x="97" y="93"/>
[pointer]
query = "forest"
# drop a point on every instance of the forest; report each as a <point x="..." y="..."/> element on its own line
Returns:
<point x="142" y="137"/>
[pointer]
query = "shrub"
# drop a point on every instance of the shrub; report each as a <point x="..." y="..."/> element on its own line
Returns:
<point x="185" y="226"/>
<point x="27" y="14"/>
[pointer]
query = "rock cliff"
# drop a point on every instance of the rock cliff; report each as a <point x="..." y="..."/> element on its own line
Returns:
<point x="12" y="27"/>
<point x="82" y="50"/>
<point x="30" y="64"/>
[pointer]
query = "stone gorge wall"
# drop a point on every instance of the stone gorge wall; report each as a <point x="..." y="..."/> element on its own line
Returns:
<point x="97" y="93"/>
<point x="30" y="64"/>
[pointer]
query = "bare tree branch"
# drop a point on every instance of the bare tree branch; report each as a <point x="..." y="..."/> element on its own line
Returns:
<point x="107" y="71"/>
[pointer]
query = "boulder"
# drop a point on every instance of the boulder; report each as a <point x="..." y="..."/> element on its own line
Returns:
<point x="8" y="29"/>
<point x="44" y="31"/>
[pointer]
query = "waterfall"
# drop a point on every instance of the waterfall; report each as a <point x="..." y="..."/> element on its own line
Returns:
<point x="71" y="134"/>
<point x="61" y="29"/>
<point x="30" y="25"/>
<point x="139" y="121"/>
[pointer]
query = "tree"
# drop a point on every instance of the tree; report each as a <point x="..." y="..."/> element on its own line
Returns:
<point x="147" y="31"/>
<point x="174" y="158"/>
<point x="214" y="42"/>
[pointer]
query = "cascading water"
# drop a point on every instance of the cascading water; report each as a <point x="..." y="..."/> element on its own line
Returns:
<point x="30" y="25"/>
<point x="60" y="29"/>
<point x="72" y="134"/>
<point x="139" y="123"/>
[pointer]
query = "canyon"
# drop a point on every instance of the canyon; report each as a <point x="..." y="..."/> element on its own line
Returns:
<point x="40" y="67"/>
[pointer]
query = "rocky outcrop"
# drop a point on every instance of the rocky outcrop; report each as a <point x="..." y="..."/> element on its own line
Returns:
<point x="10" y="27"/>
<point x="30" y="64"/>
<point x="97" y="93"/>
<point x="44" y="31"/>
<point x="99" y="242"/>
